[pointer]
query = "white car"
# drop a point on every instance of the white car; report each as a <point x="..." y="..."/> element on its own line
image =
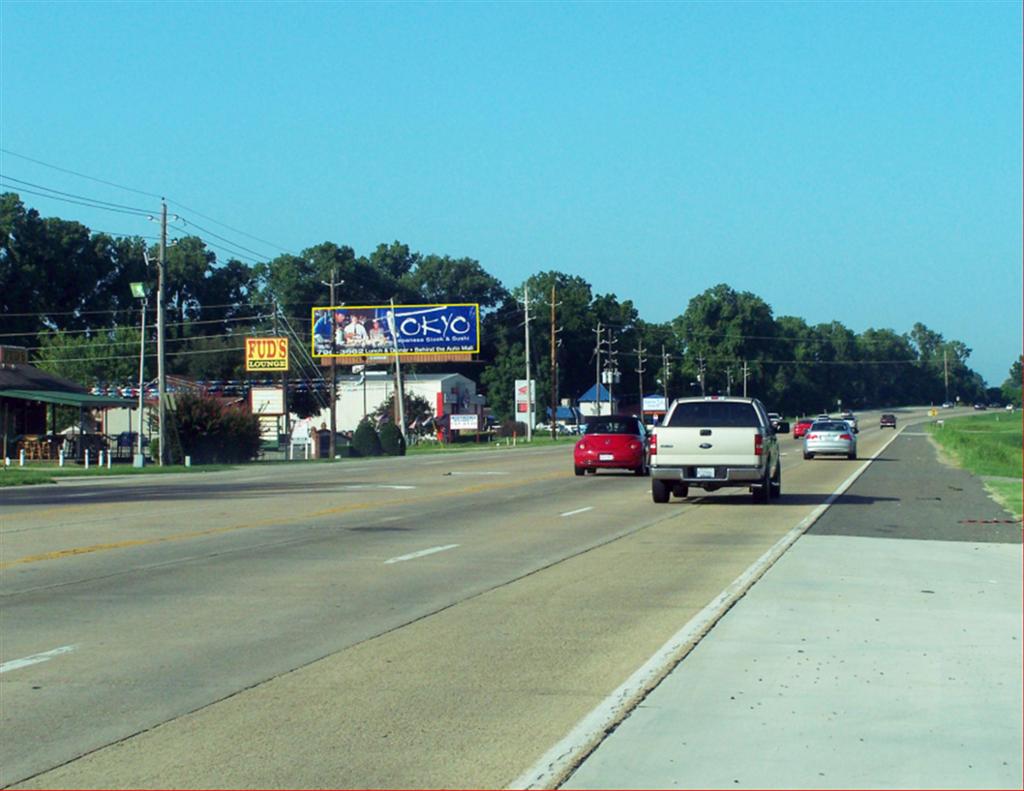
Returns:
<point x="830" y="438"/>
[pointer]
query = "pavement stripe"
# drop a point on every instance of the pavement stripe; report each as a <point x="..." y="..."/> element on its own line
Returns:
<point x="35" y="659"/>
<point x="421" y="553"/>
<point x="581" y="510"/>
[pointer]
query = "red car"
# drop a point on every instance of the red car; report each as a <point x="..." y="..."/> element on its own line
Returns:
<point x="612" y="442"/>
<point x="801" y="426"/>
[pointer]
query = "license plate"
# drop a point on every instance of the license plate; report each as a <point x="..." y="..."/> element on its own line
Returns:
<point x="606" y="457"/>
<point x="705" y="472"/>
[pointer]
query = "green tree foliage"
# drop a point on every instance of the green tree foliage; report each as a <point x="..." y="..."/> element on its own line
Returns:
<point x="416" y="409"/>
<point x="365" y="440"/>
<point x="392" y="443"/>
<point x="89" y="358"/>
<point x="1011" y="389"/>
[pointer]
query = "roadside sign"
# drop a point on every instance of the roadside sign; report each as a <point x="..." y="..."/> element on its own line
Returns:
<point x="266" y="354"/>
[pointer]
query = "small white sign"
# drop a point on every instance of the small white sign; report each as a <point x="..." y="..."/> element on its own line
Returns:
<point x="267" y="400"/>
<point x="463" y="422"/>
<point x="654" y="404"/>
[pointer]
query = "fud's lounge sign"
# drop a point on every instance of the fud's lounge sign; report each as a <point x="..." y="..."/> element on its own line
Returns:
<point x="266" y="354"/>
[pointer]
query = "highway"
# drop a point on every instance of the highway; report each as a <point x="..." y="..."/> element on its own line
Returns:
<point x="432" y="621"/>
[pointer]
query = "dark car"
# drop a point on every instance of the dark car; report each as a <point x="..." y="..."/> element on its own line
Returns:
<point x="887" y="421"/>
<point x="612" y="442"/>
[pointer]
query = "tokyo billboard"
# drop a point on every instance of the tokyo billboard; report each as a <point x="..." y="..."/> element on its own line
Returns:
<point x="363" y="330"/>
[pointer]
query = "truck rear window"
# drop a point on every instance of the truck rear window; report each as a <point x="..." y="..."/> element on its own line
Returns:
<point x="709" y="414"/>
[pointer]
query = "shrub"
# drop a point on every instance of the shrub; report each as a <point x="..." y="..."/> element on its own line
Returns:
<point x="366" y="442"/>
<point x="508" y="427"/>
<point x="201" y="427"/>
<point x="392" y="442"/>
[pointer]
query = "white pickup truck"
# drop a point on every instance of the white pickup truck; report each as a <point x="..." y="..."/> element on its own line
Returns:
<point x="714" y="442"/>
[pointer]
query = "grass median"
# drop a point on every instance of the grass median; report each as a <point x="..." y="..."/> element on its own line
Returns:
<point x="988" y="446"/>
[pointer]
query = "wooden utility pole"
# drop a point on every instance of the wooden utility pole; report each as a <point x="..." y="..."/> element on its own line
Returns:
<point x="161" y="372"/>
<point x="529" y="393"/>
<point x="334" y="373"/>
<point x="664" y="374"/>
<point x="597" y="370"/>
<point x="640" y="360"/>
<point x="554" y="366"/>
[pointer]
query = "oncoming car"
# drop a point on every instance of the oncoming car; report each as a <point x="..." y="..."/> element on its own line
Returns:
<point x="830" y="437"/>
<point x="612" y="442"/>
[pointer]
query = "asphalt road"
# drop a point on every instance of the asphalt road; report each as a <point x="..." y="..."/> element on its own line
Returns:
<point x="428" y="621"/>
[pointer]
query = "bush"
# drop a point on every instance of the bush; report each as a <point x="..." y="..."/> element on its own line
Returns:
<point x="508" y="427"/>
<point x="392" y="442"/>
<point x="366" y="442"/>
<point x="209" y="432"/>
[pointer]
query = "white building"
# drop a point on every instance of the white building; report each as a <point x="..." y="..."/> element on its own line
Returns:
<point x="358" y="395"/>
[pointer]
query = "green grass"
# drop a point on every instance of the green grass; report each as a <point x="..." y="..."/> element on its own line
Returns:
<point x="990" y="446"/>
<point x="46" y="473"/>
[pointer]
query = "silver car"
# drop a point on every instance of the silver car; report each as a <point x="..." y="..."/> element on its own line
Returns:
<point x="830" y="437"/>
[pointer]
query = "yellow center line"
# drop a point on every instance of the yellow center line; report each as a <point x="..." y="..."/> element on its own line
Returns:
<point x="360" y="506"/>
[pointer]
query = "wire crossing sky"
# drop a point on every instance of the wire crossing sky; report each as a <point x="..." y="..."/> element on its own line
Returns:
<point x="858" y="162"/>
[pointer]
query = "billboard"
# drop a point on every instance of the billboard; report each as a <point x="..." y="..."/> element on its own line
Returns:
<point x="373" y="330"/>
<point x="266" y="354"/>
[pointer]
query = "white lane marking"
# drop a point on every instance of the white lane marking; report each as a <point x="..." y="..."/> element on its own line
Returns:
<point x="578" y="511"/>
<point x="480" y="472"/>
<point x="421" y="553"/>
<point x="553" y="767"/>
<point x="35" y="659"/>
<point x="390" y="519"/>
<point x="376" y="486"/>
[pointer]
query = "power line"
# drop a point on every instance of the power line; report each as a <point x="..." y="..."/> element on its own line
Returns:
<point x="80" y="203"/>
<point x="80" y="175"/>
<point x="80" y="197"/>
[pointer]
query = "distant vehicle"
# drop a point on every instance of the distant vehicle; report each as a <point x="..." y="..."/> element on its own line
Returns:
<point x="801" y="426"/>
<point x="980" y="407"/>
<point x="775" y="419"/>
<point x="823" y="416"/>
<point x="850" y="418"/>
<point x="887" y="421"/>
<point x="947" y="404"/>
<point x="1009" y="407"/>
<point x="612" y="442"/>
<point x="830" y="437"/>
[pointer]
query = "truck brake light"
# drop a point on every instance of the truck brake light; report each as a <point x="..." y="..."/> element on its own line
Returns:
<point x="654" y="444"/>
<point x="758" y="445"/>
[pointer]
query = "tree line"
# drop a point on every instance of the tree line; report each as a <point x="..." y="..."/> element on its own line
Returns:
<point x="65" y="294"/>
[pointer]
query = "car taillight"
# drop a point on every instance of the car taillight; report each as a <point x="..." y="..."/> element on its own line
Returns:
<point x="845" y="436"/>
<point x="581" y="445"/>
<point x="758" y="444"/>
<point x="654" y="444"/>
<point x="634" y="445"/>
<point x="812" y="436"/>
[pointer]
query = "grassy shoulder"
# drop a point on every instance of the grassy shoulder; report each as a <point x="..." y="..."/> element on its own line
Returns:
<point x="988" y="446"/>
<point x="47" y="473"/>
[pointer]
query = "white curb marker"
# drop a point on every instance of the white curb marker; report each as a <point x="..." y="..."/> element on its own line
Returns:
<point x="421" y="553"/>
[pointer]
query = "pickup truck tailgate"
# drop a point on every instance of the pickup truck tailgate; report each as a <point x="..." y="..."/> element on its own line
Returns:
<point x="728" y="447"/>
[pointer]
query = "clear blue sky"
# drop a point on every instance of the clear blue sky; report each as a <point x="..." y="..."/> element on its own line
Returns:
<point x="858" y="162"/>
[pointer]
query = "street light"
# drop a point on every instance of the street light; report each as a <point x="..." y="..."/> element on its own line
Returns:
<point x="139" y="292"/>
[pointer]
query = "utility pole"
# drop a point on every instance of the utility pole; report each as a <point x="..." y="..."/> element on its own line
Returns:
<point x="700" y="371"/>
<point x="728" y="381"/>
<point x="161" y="373"/>
<point x="399" y="389"/>
<point x="332" y="447"/>
<point x="613" y="368"/>
<point x="554" y="366"/>
<point x="640" y="360"/>
<point x="945" y="371"/>
<point x="529" y="394"/>
<point x="597" y="370"/>
<point x="746" y="373"/>
<point x="664" y="374"/>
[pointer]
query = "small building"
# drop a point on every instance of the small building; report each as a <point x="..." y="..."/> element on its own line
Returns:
<point x="360" y="394"/>
<point x="29" y="398"/>
<point x="597" y="401"/>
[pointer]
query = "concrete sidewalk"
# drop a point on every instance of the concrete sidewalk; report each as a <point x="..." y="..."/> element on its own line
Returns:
<point x="883" y="650"/>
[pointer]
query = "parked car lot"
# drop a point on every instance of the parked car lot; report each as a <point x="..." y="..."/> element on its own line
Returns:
<point x="830" y="438"/>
